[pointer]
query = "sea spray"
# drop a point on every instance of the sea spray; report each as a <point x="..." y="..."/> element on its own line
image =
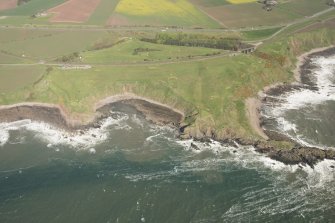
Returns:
<point x="281" y="111"/>
<point x="80" y="139"/>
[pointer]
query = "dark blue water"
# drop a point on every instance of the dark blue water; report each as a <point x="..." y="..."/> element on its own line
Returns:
<point x="142" y="173"/>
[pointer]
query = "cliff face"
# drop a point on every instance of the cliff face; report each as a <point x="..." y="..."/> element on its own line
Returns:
<point x="42" y="113"/>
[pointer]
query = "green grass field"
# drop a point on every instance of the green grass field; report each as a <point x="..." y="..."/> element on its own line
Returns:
<point x="132" y="51"/>
<point x="259" y="34"/>
<point x="210" y="3"/>
<point x="163" y="13"/>
<point x="252" y="14"/>
<point x="48" y="45"/>
<point x="32" y="7"/>
<point x="303" y="7"/>
<point x="15" y="78"/>
<point x="103" y="12"/>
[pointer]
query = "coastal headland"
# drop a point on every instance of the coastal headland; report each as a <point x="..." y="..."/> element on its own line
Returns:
<point x="162" y="114"/>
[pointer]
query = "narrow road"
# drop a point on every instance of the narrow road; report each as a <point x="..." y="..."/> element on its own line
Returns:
<point x="144" y="63"/>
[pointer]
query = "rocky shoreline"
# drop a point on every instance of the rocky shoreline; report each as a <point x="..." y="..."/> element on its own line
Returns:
<point x="299" y="154"/>
<point x="304" y="80"/>
<point x="58" y="117"/>
<point x="164" y="115"/>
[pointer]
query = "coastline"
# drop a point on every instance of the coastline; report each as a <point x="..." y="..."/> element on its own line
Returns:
<point x="57" y="116"/>
<point x="162" y="114"/>
<point x="302" y="80"/>
<point x="300" y="153"/>
<point x="253" y="106"/>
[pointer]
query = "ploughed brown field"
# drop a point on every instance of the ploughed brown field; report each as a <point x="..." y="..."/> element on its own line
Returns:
<point x="76" y="11"/>
<point x="7" y="4"/>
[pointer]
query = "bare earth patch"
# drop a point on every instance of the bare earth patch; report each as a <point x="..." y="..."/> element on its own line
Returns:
<point x="7" y="4"/>
<point x="253" y="105"/>
<point x="76" y="11"/>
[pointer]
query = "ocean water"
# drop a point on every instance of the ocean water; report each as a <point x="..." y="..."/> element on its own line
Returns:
<point x="132" y="171"/>
<point x="307" y="116"/>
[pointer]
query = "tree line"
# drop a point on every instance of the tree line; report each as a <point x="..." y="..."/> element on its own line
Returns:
<point x="197" y="40"/>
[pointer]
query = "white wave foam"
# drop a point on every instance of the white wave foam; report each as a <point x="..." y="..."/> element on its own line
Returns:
<point x="150" y="138"/>
<point x="324" y="75"/>
<point x="54" y="136"/>
<point x="248" y="157"/>
<point x="322" y="173"/>
<point x="4" y="137"/>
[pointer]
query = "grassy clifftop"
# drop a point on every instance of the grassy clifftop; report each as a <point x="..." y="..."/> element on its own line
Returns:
<point x="215" y="88"/>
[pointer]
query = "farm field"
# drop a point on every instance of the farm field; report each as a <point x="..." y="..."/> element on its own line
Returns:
<point x="31" y="8"/>
<point x="14" y="78"/>
<point x="259" y="34"/>
<point x="48" y="45"/>
<point x="303" y="7"/>
<point x="103" y="12"/>
<point x="10" y="59"/>
<point x="7" y="4"/>
<point x="132" y="51"/>
<point x="240" y="1"/>
<point x="252" y="14"/>
<point x="179" y="13"/>
<point x="160" y="12"/>
<point x="73" y="11"/>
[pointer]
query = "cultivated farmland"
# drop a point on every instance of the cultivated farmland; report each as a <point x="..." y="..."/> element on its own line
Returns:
<point x="252" y="14"/>
<point x="103" y="12"/>
<point x="7" y="4"/>
<point x="161" y="12"/>
<point x="48" y="45"/>
<point x="32" y="7"/>
<point x="17" y="77"/>
<point x="76" y="11"/>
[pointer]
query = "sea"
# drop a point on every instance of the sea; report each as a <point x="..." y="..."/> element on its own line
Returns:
<point x="130" y="170"/>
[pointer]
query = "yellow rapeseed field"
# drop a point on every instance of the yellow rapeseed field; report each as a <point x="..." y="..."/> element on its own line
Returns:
<point x="240" y="1"/>
<point x="154" y="7"/>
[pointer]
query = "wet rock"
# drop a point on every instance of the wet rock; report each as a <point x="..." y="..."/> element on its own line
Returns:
<point x="193" y="146"/>
<point x="306" y="155"/>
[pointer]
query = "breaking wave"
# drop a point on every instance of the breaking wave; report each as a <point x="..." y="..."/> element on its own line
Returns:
<point x="304" y="100"/>
<point x="80" y="139"/>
